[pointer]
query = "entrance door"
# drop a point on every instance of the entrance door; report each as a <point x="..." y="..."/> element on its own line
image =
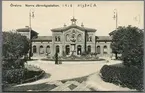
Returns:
<point x="67" y="49"/>
<point x="79" y="51"/>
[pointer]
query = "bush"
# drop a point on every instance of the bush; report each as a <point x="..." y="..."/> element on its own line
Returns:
<point x="13" y="63"/>
<point x="12" y="76"/>
<point x="83" y="54"/>
<point x="30" y="74"/>
<point x="18" y="75"/>
<point x="134" y="57"/>
<point x="130" y="77"/>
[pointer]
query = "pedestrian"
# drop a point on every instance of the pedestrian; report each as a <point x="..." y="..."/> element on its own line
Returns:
<point x="56" y="58"/>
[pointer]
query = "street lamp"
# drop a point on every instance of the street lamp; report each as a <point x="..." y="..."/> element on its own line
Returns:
<point x="116" y="17"/>
<point x="31" y="15"/>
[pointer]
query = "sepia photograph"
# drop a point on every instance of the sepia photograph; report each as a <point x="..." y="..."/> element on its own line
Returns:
<point x="72" y="46"/>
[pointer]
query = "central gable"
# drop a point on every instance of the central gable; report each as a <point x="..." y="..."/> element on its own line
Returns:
<point x="73" y="30"/>
<point x="65" y="28"/>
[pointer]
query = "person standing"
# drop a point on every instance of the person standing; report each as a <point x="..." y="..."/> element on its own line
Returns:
<point x="56" y="58"/>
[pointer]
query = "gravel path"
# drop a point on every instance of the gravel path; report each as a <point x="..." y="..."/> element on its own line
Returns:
<point x="67" y="71"/>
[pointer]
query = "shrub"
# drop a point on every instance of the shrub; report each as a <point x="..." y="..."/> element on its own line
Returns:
<point x="134" y="57"/>
<point x="13" y="63"/>
<point x="83" y="54"/>
<point x="12" y="76"/>
<point x="18" y="75"/>
<point x="30" y="74"/>
<point x="131" y="77"/>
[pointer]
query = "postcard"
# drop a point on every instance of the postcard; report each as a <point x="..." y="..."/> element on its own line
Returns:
<point x="72" y="46"/>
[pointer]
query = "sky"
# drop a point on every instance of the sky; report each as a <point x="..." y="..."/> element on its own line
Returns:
<point x="15" y="14"/>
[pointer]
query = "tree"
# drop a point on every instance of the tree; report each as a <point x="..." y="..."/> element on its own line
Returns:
<point x="128" y="41"/>
<point x="117" y="36"/>
<point x="15" y="46"/>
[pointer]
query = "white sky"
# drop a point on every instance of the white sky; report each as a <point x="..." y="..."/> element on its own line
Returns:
<point x="100" y="17"/>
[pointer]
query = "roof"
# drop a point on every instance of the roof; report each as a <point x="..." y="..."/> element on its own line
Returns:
<point x="103" y="38"/>
<point x="73" y="26"/>
<point x="26" y="29"/>
<point x="43" y="38"/>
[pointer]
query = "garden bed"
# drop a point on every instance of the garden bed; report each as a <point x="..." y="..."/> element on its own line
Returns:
<point x="75" y="58"/>
<point x="130" y="77"/>
<point x="24" y="75"/>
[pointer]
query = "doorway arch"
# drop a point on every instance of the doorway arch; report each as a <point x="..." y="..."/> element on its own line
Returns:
<point x="98" y="49"/>
<point x="41" y="50"/>
<point x="105" y="49"/>
<point x="89" y="49"/>
<point x="48" y="49"/>
<point x="57" y="48"/>
<point x="79" y="50"/>
<point x="67" y="49"/>
<point x="34" y="49"/>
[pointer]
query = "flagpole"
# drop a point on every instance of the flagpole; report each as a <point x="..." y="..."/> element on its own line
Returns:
<point x="30" y="29"/>
<point x="116" y="17"/>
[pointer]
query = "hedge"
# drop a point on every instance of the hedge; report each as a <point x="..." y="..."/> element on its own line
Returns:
<point x="130" y="77"/>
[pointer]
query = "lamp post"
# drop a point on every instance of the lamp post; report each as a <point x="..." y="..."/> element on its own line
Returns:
<point x="31" y="15"/>
<point x="116" y="17"/>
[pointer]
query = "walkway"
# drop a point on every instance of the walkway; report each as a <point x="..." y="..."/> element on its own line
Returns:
<point x="66" y="70"/>
<point x="69" y="76"/>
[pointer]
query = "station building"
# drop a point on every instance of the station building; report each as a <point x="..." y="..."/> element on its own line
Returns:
<point x="71" y="40"/>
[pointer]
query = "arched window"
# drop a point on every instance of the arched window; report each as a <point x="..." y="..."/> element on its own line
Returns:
<point x="48" y="49"/>
<point x="58" y="38"/>
<point x="57" y="48"/>
<point x="67" y="37"/>
<point x="79" y="50"/>
<point x="34" y="49"/>
<point x="89" y="49"/>
<point x="90" y="38"/>
<point x="79" y="38"/>
<point x="98" y="50"/>
<point x="55" y="38"/>
<point x="67" y="49"/>
<point x="41" y="50"/>
<point x="105" y="50"/>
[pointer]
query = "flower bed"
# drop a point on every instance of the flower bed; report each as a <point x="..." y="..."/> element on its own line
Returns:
<point x="130" y="77"/>
<point x="75" y="58"/>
